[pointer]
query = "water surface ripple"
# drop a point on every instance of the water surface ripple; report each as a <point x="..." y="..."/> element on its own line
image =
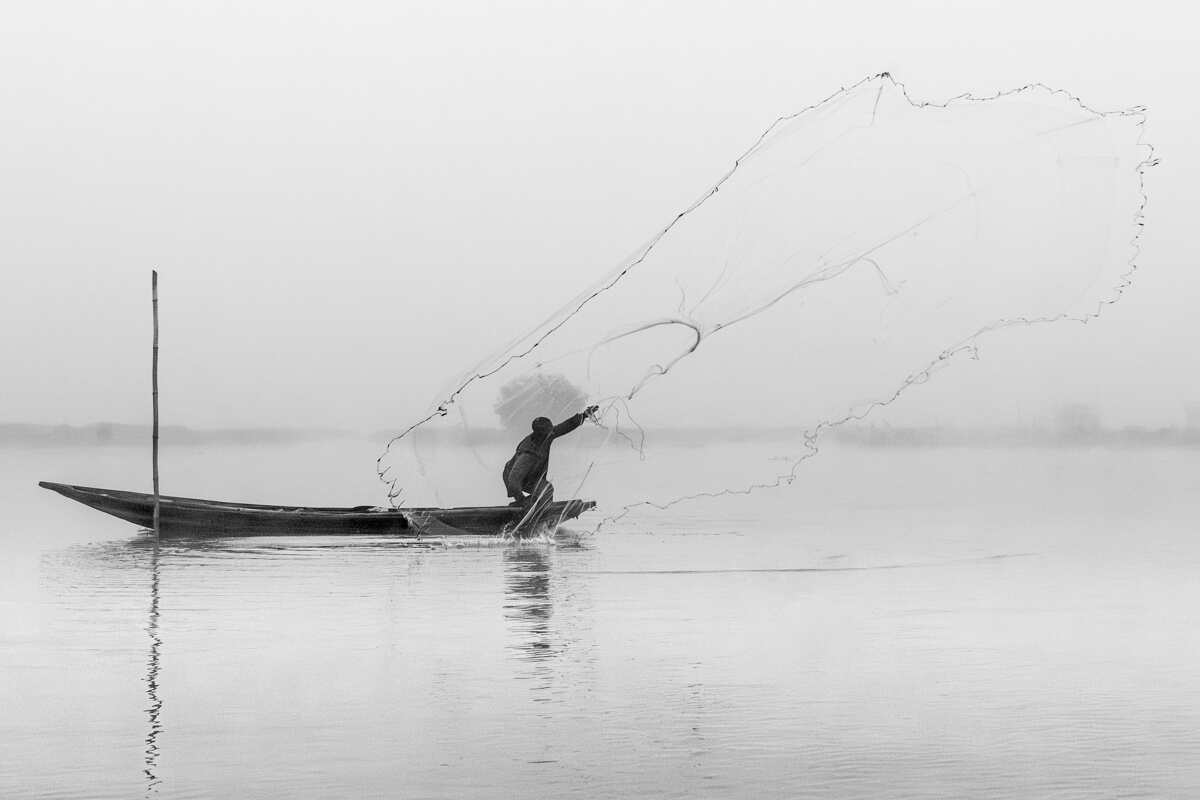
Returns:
<point x="870" y="647"/>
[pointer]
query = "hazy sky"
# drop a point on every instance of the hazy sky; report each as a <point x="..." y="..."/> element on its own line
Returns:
<point x="348" y="203"/>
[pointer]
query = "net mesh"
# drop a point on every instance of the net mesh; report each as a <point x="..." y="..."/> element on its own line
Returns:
<point x="855" y="249"/>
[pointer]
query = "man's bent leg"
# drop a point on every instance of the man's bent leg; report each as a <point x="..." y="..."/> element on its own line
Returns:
<point x="516" y="474"/>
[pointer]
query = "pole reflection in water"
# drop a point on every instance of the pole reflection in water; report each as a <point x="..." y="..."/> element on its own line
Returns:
<point x="313" y="662"/>
<point x="152" y="665"/>
<point x="105" y="610"/>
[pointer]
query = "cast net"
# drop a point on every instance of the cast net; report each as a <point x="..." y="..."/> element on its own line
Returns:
<point x="855" y="249"/>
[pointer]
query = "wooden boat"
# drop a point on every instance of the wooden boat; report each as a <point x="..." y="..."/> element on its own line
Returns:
<point x="190" y="517"/>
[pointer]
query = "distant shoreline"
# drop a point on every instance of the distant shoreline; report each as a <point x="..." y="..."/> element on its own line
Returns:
<point x="107" y="434"/>
<point x="1004" y="437"/>
<point x="112" y="434"/>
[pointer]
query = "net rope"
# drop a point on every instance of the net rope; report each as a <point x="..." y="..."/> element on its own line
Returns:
<point x="857" y="248"/>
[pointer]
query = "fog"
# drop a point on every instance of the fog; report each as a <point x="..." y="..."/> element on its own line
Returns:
<point x="348" y="205"/>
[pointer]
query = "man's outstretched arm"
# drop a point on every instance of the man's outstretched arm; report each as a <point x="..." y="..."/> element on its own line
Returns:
<point x="571" y="423"/>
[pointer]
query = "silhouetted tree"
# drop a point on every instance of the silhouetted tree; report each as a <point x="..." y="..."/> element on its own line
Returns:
<point x="104" y="432"/>
<point x="1077" y="418"/>
<point x="538" y="395"/>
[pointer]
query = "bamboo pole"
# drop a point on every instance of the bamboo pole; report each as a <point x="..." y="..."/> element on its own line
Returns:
<point x="154" y="392"/>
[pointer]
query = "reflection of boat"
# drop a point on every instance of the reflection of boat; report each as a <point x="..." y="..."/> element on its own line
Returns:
<point x="182" y="516"/>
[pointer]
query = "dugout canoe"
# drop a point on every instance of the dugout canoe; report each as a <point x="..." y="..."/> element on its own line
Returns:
<point x="192" y="517"/>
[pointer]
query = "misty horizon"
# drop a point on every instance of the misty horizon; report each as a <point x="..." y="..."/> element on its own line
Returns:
<point x="859" y="432"/>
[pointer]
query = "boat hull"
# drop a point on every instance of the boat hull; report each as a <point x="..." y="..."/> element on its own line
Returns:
<point x="191" y="517"/>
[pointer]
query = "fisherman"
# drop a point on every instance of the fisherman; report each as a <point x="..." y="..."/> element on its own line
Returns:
<point x="525" y="472"/>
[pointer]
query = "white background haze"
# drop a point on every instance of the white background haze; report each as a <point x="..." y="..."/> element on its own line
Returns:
<point x="349" y="203"/>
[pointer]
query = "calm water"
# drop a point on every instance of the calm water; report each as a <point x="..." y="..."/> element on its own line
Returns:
<point x="899" y="623"/>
